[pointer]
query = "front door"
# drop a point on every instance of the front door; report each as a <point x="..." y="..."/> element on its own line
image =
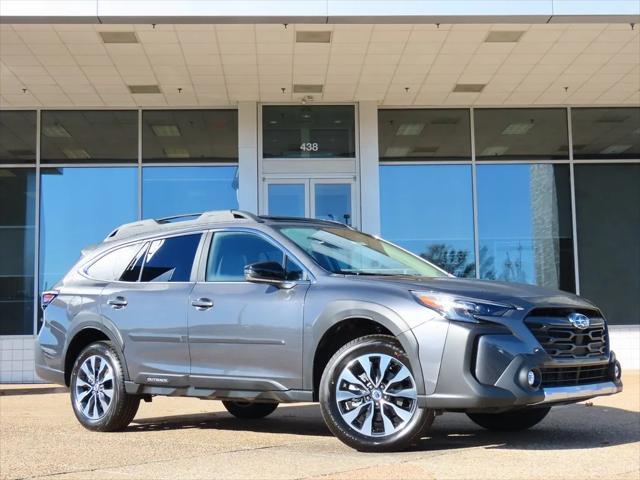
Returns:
<point x="243" y="335"/>
<point x="322" y="198"/>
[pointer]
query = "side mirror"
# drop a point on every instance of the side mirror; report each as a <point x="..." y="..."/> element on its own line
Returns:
<point x="266" y="272"/>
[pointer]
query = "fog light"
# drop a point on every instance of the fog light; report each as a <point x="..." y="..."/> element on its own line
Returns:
<point x="531" y="378"/>
<point x="617" y="370"/>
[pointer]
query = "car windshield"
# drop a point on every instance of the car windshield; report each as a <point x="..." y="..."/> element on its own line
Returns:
<point x="343" y="251"/>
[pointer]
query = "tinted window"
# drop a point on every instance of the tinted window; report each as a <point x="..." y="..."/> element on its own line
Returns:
<point x="232" y="251"/>
<point x="17" y="136"/>
<point x="608" y="219"/>
<point x="89" y="136"/>
<point x="524" y="224"/>
<point x="112" y="265"/>
<point x="190" y="136"/>
<point x="606" y="132"/>
<point x="17" y="250"/>
<point x="521" y="133"/>
<point x="170" y="259"/>
<point x="439" y="231"/>
<point x="132" y="272"/>
<point x="168" y="191"/>
<point x="308" y="131"/>
<point x="418" y="134"/>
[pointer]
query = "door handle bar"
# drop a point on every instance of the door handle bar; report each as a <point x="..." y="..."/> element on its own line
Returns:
<point x="202" y="303"/>
<point x="118" y="302"/>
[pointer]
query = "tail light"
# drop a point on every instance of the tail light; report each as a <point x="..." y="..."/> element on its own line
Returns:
<point x="47" y="297"/>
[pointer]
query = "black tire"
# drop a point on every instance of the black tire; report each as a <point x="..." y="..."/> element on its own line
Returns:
<point x="405" y="435"/>
<point x="510" y="421"/>
<point x="249" y="410"/>
<point x="122" y="407"/>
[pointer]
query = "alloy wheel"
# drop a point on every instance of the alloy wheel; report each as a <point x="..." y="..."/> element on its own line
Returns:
<point x="94" y="387"/>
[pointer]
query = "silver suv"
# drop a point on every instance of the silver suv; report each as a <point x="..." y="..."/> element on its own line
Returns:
<point x="255" y="311"/>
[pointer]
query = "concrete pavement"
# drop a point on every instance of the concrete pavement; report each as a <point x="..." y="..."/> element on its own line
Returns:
<point x="189" y="438"/>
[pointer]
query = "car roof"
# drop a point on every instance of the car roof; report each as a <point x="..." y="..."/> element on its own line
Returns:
<point x="194" y="221"/>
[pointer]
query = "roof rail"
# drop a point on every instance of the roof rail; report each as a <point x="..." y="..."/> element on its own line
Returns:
<point x="134" y="228"/>
<point x="277" y="218"/>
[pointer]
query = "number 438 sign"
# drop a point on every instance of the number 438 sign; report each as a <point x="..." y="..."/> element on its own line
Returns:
<point x="309" y="147"/>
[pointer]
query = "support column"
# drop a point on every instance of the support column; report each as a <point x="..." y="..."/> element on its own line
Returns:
<point x="369" y="172"/>
<point x="248" y="156"/>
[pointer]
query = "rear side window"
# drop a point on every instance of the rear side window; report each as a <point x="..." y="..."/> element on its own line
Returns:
<point x="170" y="259"/>
<point x="111" y="266"/>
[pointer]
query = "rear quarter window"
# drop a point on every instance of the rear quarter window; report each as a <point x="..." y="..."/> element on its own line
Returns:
<point x="111" y="266"/>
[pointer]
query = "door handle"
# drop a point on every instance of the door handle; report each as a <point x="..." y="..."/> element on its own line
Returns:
<point x="202" y="303"/>
<point x="117" y="302"/>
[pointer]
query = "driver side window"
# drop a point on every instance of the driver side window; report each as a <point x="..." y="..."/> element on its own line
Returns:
<point x="230" y="252"/>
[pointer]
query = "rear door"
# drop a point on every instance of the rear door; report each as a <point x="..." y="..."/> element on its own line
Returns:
<point x="148" y="306"/>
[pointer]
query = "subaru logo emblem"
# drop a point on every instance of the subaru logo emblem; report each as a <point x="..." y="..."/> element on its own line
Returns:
<point x="579" y="320"/>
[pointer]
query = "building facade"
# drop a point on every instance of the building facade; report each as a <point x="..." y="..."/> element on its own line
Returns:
<point x="495" y="149"/>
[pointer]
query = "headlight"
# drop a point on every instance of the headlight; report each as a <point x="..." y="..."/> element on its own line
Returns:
<point x="458" y="308"/>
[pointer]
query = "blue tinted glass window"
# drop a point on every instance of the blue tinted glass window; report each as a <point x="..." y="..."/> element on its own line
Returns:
<point x="606" y="133"/>
<point x="80" y="207"/>
<point x="170" y="259"/>
<point x="17" y="250"/>
<point x="333" y="202"/>
<point x="168" y="191"/>
<point x="427" y="209"/>
<point x="286" y="199"/>
<point x="524" y="222"/>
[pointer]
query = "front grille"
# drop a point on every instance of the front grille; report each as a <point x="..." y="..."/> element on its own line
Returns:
<point x="569" y="376"/>
<point x="560" y="339"/>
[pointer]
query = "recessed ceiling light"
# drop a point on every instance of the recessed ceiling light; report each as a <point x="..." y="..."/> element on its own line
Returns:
<point x="55" y="131"/>
<point x="144" y="88"/>
<point x="176" y="152"/>
<point x="503" y="36"/>
<point x="615" y="149"/>
<point x="410" y="129"/>
<point x="166" y="130"/>
<point x="302" y="88"/>
<point x="397" y="151"/>
<point x="119" y="37"/>
<point x="518" y="128"/>
<point x="468" y="87"/>
<point x="273" y="122"/>
<point x="494" y="151"/>
<point x="313" y="37"/>
<point x="76" y="153"/>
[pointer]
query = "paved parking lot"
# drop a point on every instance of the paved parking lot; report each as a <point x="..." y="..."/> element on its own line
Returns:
<point x="189" y="438"/>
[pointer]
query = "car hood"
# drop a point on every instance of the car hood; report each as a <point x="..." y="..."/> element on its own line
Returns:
<point x="517" y="294"/>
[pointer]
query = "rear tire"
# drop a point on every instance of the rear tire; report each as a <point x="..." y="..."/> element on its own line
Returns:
<point x="249" y="410"/>
<point x="369" y="398"/>
<point x="98" y="396"/>
<point x="510" y="421"/>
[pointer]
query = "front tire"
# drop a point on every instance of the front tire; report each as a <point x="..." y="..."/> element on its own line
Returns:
<point x="98" y="396"/>
<point x="510" y="421"/>
<point x="369" y="398"/>
<point x="249" y="410"/>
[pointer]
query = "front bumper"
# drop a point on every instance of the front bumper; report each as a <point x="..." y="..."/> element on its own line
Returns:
<point x="484" y="369"/>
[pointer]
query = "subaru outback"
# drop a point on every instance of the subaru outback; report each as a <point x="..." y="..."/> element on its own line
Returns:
<point x="257" y="311"/>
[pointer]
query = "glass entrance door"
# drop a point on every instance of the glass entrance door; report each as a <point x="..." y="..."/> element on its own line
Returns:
<point x="325" y="199"/>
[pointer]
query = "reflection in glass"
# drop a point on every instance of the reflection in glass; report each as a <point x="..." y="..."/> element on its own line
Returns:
<point x="89" y="136"/>
<point x="190" y="136"/>
<point x="80" y="207"/>
<point x="606" y="132"/>
<point x="427" y="209"/>
<point x="421" y="134"/>
<point x="524" y="222"/>
<point x="308" y="131"/>
<point x="608" y="221"/>
<point x="17" y="250"/>
<point x="168" y="191"/>
<point x="333" y="202"/>
<point x="17" y="136"/>
<point x="521" y="133"/>
<point x="286" y="199"/>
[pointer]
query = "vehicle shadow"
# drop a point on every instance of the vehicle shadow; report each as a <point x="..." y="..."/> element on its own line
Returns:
<point x="576" y="426"/>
